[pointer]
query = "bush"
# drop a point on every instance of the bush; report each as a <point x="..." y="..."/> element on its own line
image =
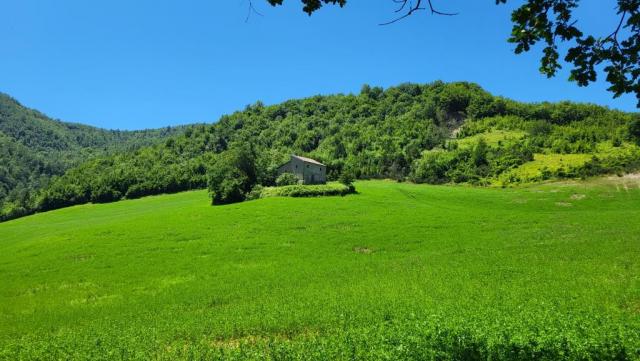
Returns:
<point x="287" y="179"/>
<point x="256" y="193"/>
<point x="346" y="178"/>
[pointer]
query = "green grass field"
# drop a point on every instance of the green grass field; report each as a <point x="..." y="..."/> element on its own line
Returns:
<point x="398" y="271"/>
<point x="492" y="138"/>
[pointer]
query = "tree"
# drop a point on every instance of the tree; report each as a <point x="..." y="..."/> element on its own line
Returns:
<point x="346" y="177"/>
<point x="232" y="176"/>
<point x="479" y="154"/>
<point x="551" y="22"/>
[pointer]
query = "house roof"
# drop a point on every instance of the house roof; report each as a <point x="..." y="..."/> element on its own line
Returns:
<point x="307" y="160"/>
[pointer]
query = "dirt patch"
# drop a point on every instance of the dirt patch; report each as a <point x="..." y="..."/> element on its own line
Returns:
<point x="625" y="182"/>
<point x="81" y="257"/>
<point x="563" y="204"/>
<point x="236" y="342"/>
<point x="632" y="176"/>
<point x="577" y="197"/>
<point x="363" y="250"/>
<point x="455" y="131"/>
<point x="633" y="306"/>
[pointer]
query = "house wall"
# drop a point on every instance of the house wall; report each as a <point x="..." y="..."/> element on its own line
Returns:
<point x="307" y="173"/>
<point x="314" y="173"/>
<point x="294" y="166"/>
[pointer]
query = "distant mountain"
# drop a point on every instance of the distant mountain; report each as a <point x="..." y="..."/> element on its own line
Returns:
<point x="34" y="147"/>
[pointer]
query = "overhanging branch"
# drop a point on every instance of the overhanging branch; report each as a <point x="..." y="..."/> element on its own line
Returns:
<point x="413" y="7"/>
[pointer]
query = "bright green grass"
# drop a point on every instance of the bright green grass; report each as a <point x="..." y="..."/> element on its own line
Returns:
<point x="398" y="271"/>
<point x="532" y="171"/>
<point x="606" y="150"/>
<point x="493" y="138"/>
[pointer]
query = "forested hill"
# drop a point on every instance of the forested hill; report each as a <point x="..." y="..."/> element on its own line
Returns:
<point x="435" y="133"/>
<point x="34" y="147"/>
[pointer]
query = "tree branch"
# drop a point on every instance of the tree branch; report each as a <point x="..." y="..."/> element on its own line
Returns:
<point x="251" y="9"/>
<point x="413" y="8"/>
<point x="614" y="36"/>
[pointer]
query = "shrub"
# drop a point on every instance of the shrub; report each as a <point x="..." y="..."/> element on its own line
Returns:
<point x="287" y="179"/>
<point x="346" y="178"/>
<point x="256" y="192"/>
<point x="299" y="190"/>
<point x="540" y="128"/>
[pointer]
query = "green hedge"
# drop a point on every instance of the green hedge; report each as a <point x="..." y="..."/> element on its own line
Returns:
<point x="299" y="190"/>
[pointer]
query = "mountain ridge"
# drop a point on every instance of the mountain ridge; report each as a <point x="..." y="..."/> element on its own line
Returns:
<point x="36" y="148"/>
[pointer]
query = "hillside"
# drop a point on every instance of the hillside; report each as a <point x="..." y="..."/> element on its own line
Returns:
<point x="430" y="133"/>
<point x="396" y="272"/>
<point x="35" y="147"/>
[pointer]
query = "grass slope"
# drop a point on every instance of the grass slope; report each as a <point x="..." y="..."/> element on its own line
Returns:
<point x="398" y="271"/>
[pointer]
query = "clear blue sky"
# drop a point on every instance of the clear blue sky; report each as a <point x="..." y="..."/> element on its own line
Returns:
<point x="151" y="63"/>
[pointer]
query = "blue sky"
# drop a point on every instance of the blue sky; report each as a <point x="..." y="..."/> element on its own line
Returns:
<point x="152" y="63"/>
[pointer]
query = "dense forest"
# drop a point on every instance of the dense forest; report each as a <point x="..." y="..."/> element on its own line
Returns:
<point x="35" y="148"/>
<point x="435" y="133"/>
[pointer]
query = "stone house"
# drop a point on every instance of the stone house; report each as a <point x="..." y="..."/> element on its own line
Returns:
<point x="308" y="171"/>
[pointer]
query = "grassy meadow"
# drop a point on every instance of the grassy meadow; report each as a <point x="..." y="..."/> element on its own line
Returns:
<point x="397" y="271"/>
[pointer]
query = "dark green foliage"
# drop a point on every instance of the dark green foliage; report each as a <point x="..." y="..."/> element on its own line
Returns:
<point x="475" y="165"/>
<point x="540" y="128"/>
<point x="232" y="175"/>
<point x="346" y="177"/>
<point x="256" y="192"/>
<point x="551" y="22"/>
<point x="311" y="5"/>
<point x="287" y="179"/>
<point x="634" y="130"/>
<point x="433" y="167"/>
